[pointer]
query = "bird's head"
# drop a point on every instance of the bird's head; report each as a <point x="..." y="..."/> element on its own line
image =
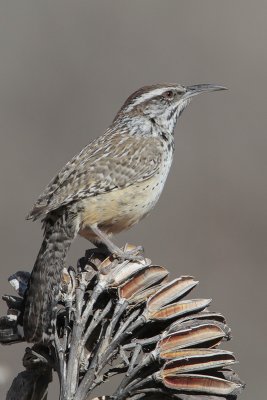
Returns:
<point x="161" y="104"/>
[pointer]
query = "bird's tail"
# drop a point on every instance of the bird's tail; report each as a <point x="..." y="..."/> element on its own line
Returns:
<point x="60" y="228"/>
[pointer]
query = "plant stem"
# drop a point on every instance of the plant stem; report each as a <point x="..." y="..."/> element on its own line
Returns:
<point x="76" y="342"/>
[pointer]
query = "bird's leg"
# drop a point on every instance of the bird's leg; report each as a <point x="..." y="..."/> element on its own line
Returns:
<point x="125" y="255"/>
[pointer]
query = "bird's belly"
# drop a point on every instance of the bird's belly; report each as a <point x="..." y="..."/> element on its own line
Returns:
<point x="118" y="210"/>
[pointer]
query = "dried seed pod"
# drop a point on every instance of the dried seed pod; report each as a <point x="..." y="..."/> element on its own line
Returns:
<point x="193" y="352"/>
<point x="172" y="291"/>
<point x="229" y="374"/>
<point x="176" y="310"/>
<point x="193" y="360"/>
<point x="202" y="397"/>
<point x="140" y="286"/>
<point x="208" y="335"/>
<point x="120" y="273"/>
<point x="205" y="315"/>
<point x="205" y="384"/>
<point x="195" y="322"/>
<point x="144" y="295"/>
<point x="106" y="265"/>
<point x="130" y="320"/>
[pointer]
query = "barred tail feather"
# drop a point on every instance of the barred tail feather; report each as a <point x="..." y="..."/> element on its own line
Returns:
<point x="60" y="228"/>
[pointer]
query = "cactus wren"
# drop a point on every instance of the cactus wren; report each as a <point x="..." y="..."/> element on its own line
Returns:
<point x="109" y="186"/>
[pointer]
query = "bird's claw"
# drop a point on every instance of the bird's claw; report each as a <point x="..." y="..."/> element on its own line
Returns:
<point x="132" y="255"/>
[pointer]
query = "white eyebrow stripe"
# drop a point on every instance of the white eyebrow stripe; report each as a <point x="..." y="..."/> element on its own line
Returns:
<point x="149" y="95"/>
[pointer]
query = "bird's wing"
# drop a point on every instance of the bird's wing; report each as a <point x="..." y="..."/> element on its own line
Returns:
<point x="111" y="162"/>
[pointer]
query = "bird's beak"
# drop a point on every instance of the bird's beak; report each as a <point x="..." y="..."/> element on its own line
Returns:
<point x="197" y="89"/>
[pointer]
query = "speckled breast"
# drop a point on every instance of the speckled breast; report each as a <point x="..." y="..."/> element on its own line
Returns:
<point x="119" y="209"/>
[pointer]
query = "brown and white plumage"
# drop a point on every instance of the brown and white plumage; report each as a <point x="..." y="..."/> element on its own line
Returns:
<point x="109" y="186"/>
<point x="109" y="163"/>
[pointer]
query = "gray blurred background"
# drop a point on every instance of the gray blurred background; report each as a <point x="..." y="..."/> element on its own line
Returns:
<point x="65" y="69"/>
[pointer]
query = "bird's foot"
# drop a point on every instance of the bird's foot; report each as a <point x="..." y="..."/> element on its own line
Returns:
<point x="129" y="253"/>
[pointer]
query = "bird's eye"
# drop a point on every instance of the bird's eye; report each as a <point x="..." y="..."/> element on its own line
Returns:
<point x="169" y="94"/>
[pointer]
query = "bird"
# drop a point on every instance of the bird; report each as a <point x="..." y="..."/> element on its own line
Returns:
<point x="113" y="183"/>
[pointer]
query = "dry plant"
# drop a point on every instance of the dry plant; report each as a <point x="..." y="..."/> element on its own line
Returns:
<point x="124" y="318"/>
